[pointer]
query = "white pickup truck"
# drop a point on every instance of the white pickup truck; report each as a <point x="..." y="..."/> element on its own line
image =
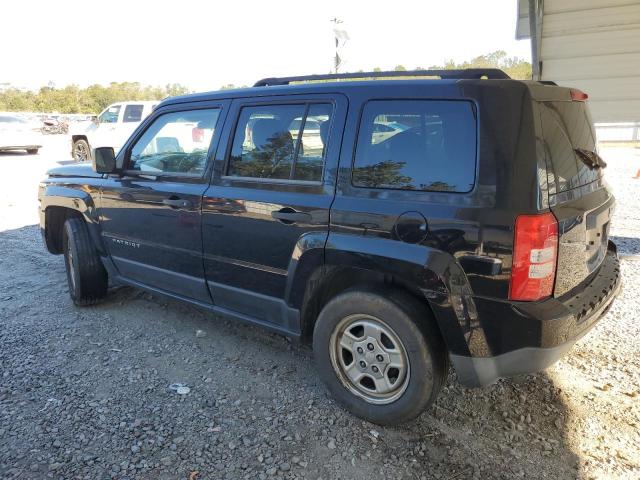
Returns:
<point x="111" y="128"/>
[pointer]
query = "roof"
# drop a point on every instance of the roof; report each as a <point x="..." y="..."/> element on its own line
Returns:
<point x="342" y="83"/>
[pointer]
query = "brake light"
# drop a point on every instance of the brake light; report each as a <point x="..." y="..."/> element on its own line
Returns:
<point x="578" y="96"/>
<point x="535" y="251"/>
<point x="197" y="134"/>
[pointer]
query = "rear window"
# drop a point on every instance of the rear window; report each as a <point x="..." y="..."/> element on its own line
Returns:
<point x="427" y="145"/>
<point x="566" y="127"/>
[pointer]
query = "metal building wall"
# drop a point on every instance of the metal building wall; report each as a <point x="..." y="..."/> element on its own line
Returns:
<point x="593" y="45"/>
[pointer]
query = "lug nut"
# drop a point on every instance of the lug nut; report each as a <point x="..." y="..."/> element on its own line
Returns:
<point x="363" y="364"/>
<point x="360" y="350"/>
<point x="375" y="369"/>
<point x="370" y="346"/>
<point x="379" y="357"/>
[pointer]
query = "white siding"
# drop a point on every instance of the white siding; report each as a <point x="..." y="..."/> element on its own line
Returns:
<point x="593" y="45"/>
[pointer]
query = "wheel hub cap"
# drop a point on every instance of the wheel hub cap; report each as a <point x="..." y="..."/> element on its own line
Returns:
<point x="369" y="358"/>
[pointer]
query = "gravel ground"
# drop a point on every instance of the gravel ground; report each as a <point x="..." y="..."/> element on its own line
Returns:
<point x="84" y="391"/>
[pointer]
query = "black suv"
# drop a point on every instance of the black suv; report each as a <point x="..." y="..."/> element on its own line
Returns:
<point x="396" y="224"/>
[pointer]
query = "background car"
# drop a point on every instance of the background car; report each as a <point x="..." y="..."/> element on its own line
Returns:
<point x="16" y="133"/>
<point x="111" y="128"/>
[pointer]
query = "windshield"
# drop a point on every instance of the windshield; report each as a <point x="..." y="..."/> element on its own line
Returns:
<point x="110" y="115"/>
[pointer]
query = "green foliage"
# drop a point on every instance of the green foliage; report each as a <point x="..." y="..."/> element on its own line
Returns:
<point x="515" y="67"/>
<point x="381" y="174"/>
<point x="73" y="99"/>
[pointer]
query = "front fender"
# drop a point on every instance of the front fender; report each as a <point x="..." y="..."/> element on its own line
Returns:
<point x="78" y="199"/>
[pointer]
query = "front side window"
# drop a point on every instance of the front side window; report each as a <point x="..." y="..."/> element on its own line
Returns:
<point x="133" y="113"/>
<point x="281" y="142"/>
<point x="176" y="142"/>
<point x="427" y="145"/>
<point x="110" y="115"/>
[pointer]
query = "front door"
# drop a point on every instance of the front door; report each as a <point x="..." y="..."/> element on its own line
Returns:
<point x="151" y="214"/>
<point x="269" y="201"/>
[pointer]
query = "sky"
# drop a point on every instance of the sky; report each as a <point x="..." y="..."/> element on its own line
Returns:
<point x="206" y="44"/>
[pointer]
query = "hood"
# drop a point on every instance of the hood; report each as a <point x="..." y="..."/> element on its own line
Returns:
<point x="75" y="170"/>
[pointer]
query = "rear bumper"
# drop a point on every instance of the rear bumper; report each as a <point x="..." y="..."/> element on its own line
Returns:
<point x="528" y="337"/>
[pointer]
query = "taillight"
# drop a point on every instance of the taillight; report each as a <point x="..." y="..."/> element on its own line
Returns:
<point x="578" y="96"/>
<point x="535" y="251"/>
<point x="197" y="134"/>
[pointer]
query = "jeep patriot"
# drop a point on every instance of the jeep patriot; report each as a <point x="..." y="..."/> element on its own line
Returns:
<point x="399" y="226"/>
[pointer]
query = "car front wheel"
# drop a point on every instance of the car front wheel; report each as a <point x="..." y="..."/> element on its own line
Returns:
<point x="86" y="276"/>
<point x="380" y="354"/>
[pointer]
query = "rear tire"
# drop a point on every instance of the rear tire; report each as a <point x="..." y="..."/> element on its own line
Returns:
<point x="32" y="151"/>
<point x="86" y="276"/>
<point x="81" y="150"/>
<point x="380" y="354"/>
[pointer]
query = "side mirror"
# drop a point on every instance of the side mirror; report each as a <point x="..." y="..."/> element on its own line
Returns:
<point x="104" y="160"/>
<point x="94" y="119"/>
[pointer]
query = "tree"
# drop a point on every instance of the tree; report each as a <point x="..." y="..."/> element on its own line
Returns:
<point x="515" y="67"/>
<point x="92" y="99"/>
<point x="382" y="174"/>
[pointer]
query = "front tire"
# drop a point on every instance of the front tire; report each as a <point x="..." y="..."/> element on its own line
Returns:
<point x="81" y="151"/>
<point x="86" y="276"/>
<point x="32" y="151"/>
<point x="380" y="354"/>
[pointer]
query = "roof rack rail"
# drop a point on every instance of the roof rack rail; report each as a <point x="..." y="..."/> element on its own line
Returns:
<point x="467" y="74"/>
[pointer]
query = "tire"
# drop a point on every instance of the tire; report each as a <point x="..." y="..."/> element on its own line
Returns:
<point x="86" y="276"/>
<point x="81" y="150"/>
<point x="401" y="327"/>
<point x="32" y="151"/>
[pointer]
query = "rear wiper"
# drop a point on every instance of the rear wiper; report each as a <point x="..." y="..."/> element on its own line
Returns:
<point x="590" y="159"/>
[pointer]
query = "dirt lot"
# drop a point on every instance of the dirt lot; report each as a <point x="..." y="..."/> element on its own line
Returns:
<point x="83" y="391"/>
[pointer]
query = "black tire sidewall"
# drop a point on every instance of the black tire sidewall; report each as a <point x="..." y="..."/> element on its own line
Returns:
<point x="70" y="242"/>
<point x="91" y="278"/>
<point x="423" y="347"/>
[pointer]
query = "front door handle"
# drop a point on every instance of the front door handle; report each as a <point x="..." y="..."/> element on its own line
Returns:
<point x="177" y="202"/>
<point x="289" y="216"/>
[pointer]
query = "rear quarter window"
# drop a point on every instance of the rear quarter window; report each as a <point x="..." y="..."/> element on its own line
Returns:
<point x="422" y="145"/>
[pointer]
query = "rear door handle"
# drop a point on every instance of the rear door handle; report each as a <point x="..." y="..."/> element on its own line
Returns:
<point x="289" y="216"/>
<point x="177" y="202"/>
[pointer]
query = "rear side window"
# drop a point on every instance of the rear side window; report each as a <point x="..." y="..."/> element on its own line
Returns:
<point x="566" y="127"/>
<point x="427" y="145"/>
<point x="132" y="113"/>
<point x="281" y="142"/>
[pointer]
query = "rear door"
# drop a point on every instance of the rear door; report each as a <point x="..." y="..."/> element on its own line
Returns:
<point x="578" y="196"/>
<point x="269" y="200"/>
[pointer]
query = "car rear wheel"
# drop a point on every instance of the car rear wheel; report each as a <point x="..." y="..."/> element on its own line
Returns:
<point x="380" y="355"/>
<point x="81" y="151"/>
<point x="86" y="276"/>
<point x="32" y="151"/>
